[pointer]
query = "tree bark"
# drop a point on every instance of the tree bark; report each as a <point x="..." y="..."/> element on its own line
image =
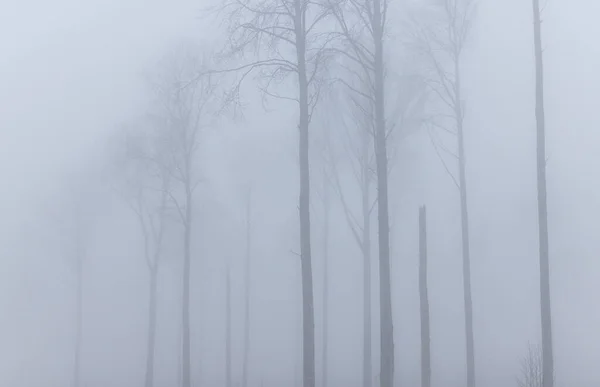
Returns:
<point x="545" y="301"/>
<point x="424" y="301"/>
<point x="228" y="331"/>
<point x="308" y="319"/>
<point x="385" y="294"/>
<point x="186" y="334"/>
<point x="325" y="280"/>
<point x="151" y="340"/>
<point x="464" y="219"/>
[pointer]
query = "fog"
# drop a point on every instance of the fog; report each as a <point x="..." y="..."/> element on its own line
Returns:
<point x="74" y="74"/>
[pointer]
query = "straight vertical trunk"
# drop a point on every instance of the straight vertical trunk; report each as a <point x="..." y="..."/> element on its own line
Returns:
<point x="78" y="322"/>
<point x="180" y="355"/>
<point x="228" y="331"/>
<point x="464" y="218"/>
<point x="186" y="335"/>
<point x="325" y="280"/>
<point x="385" y="293"/>
<point x="366" y="251"/>
<point x="308" y="319"/>
<point x="151" y="340"/>
<point x="247" y="293"/>
<point x="424" y="301"/>
<point x="545" y="303"/>
<point x="297" y="301"/>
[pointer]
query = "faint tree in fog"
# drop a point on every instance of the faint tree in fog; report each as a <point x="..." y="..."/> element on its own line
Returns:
<point x="424" y="301"/>
<point x="545" y="300"/>
<point x="442" y="44"/>
<point x="228" y="376"/>
<point x="356" y="136"/>
<point x="362" y="24"/>
<point x="74" y="218"/>
<point x="79" y="243"/>
<point x="184" y="107"/>
<point x="531" y="372"/>
<point x="247" y="286"/>
<point x="322" y="162"/>
<point x="287" y="38"/>
<point x="144" y="184"/>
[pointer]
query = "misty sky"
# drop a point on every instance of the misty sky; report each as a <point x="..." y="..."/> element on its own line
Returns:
<point x="72" y="71"/>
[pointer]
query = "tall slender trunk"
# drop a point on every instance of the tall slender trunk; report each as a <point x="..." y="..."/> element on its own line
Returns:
<point x="385" y="293"/>
<point x="78" y="321"/>
<point x="180" y="354"/>
<point x="424" y="301"/>
<point x="247" y="292"/>
<point x="545" y="302"/>
<point x="151" y="339"/>
<point x="228" y="331"/>
<point x="366" y="252"/>
<point x="297" y="302"/>
<point x="186" y="335"/>
<point x="308" y="318"/>
<point x="464" y="220"/>
<point x="325" y="279"/>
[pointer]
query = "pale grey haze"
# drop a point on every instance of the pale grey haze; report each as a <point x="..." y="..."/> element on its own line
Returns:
<point x="75" y="74"/>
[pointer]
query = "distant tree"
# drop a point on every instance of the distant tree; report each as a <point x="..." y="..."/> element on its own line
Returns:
<point x="362" y="26"/>
<point x="353" y="152"/>
<point x="288" y="39"/>
<point x="74" y="215"/>
<point x="531" y="372"/>
<point x="322" y="164"/>
<point x="424" y="301"/>
<point x="184" y="106"/>
<point x="545" y="304"/>
<point x="442" y="43"/>
<point x="144" y="183"/>
<point x="228" y="376"/>
<point x="247" y="286"/>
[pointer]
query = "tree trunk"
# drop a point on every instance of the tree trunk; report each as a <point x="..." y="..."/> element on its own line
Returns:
<point x="366" y="251"/>
<point x="308" y="319"/>
<point x="464" y="218"/>
<point x="228" y="332"/>
<point x="78" y="322"/>
<point x="325" y="279"/>
<point x="385" y="293"/>
<point x="186" y="336"/>
<point x="545" y="303"/>
<point x="424" y="300"/>
<point x="151" y="340"/>
<point x="247" y="293"/>
<point x="180" y="354"/>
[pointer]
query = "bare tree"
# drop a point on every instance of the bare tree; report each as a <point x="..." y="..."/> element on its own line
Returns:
<point x="424" y="301"/>
<point x="362" y="25"/>
<point x="144" y="184"/>
<point x="531" y="372"/>
<point x="288" y="32"/>
<point x="323" y="165"/>
<point x="545" y="299"/>
<point x="358" y="145"/>
<point x="442" y="45"/>
<point x="184" y="107"/>
<point x="356" y="156"/>
<point x="74" y="215"/>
